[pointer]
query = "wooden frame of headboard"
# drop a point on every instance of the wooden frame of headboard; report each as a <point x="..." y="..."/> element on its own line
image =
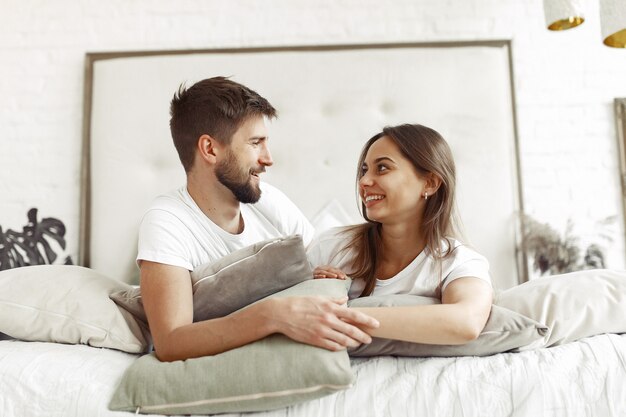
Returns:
<point x="620" y="125"/>
<point x="92" y="58"/>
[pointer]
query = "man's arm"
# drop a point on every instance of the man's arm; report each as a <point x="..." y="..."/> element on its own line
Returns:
<point x="168" y="302"/>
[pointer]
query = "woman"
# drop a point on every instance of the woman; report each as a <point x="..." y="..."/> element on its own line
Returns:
<point x="406" y="183"/>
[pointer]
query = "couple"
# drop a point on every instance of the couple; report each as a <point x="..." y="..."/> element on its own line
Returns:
<point x="406" y="182"/>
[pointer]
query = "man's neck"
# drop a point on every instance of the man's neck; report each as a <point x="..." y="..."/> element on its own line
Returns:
<point x="216" y="202"/>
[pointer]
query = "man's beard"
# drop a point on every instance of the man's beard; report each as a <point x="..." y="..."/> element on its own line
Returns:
<point x="238" y="181"/>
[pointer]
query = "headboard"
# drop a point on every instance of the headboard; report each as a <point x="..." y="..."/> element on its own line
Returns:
<point x="330" y="99"/>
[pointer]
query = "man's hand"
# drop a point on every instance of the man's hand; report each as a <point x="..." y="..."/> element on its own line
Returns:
<point x="321" y="321"/>
<point x="327" y="271"/>
<point x="168" y="301"/>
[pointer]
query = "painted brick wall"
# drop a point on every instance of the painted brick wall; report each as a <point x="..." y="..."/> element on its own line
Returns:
<point x="565" y="86"/>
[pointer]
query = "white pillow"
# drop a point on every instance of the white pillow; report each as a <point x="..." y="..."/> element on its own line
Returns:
<point x="333" y="214"/>
<point x="67" y="304"/>
<point x="574" y="305"/>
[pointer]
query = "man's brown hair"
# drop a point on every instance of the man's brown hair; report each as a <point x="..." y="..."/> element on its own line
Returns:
<point x="216" y="107"/>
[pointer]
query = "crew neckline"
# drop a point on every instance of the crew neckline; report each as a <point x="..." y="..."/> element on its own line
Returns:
<point x="404" y="272"/>
<point x="243" y="209"/>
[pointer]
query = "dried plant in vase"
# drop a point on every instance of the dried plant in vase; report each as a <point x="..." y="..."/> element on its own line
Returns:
<point x="555" y="253"/>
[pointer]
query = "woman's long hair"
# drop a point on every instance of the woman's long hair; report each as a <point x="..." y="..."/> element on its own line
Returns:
<point x="429" y="153"/>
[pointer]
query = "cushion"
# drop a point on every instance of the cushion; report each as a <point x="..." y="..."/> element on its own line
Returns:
<point x="573" y="305"/>
<point x="333" y="214"/>
<point x="505" y="330"/>
<point x="238" y="279"/>
<point x="66" y="304"/>
<point x="271" y="373"/>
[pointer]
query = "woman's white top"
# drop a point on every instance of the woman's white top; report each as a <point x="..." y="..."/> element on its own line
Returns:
<point x="421" y="277"/>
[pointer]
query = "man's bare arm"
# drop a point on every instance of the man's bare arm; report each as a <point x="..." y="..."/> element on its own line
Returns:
<point x="168" y="302"/>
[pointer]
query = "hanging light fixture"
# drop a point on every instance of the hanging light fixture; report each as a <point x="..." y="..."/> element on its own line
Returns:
<point x="563" y="14"/>
<point x="613" y="19"/>
<point x="567" y="14"/>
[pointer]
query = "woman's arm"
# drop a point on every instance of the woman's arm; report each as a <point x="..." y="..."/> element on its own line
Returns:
<point x="465" y="308"/>
<point x="168" y="302"/>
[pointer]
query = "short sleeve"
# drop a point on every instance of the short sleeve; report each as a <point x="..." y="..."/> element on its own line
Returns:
<point x="314" y="253"/>
<point x="162" y="238"/>
<point x="467" y="263"/>
<point x="284" y="214"/>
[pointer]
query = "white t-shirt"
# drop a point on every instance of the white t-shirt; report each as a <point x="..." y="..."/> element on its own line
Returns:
<point x="174" y="231"/>
<point x="420" y="277"/>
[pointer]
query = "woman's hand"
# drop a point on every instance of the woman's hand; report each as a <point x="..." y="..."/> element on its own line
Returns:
<point x="327" y="271"/>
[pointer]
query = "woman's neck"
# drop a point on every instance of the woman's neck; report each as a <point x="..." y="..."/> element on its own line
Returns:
<point x="402" y="243"/>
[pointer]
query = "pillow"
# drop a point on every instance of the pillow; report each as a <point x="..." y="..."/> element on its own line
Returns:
<point x="574" y="305"/>
<point x="331" y="215"/>
<point x="271" y="373"/>
<point x="238" y="279"/>
<point x="505" y="330"/>
<point x="66" y="304"/>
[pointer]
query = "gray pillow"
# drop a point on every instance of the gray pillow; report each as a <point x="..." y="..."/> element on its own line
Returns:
<point x="237" y="279"/>
<point x="505" y="330"/>
<point x="271" y="373"/>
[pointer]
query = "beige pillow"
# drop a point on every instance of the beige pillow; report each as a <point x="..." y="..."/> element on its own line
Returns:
<point x="505" y="330"/>
<point x="66" y="304"/>
<point x="237" y="279"/>
<point x="271" y="373"/>
<point x="574" y="305"/>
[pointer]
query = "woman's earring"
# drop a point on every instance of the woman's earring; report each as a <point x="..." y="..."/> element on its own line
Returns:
<point x="425" y="196"/>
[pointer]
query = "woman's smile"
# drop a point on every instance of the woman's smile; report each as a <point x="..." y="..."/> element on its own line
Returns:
<point x="372" y="199"/>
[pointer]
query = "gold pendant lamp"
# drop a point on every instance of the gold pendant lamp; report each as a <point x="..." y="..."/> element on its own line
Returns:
<point x="563" y="14"/>
<point x="613" y="20"/>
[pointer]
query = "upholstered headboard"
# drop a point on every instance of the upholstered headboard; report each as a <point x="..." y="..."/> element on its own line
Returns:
<point x="330" y="101"/>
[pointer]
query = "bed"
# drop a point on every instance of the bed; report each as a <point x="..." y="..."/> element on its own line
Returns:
<point x="575" y="366"/>
<point x="585" y="378"/>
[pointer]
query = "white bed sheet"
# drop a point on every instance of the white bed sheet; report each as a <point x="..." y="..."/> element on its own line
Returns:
<point x="584" y="378"/>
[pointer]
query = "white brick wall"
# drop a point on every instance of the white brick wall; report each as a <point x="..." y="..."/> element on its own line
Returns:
<point x="565" y="85"/>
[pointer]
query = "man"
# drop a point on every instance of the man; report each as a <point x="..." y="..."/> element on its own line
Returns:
<point x="219" y="128"/>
